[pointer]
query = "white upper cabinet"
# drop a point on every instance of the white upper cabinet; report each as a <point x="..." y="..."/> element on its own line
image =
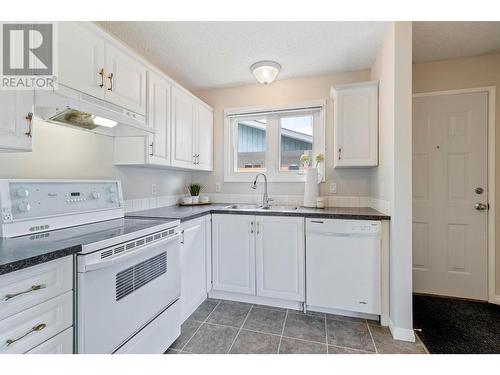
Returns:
<point x="356" y="125"/>
<point x="183" y="129"/>
<point x="280" y="254"/>
<point x="158" y="118"/>
<point x="94" y="64"/>
<point x="125" y="80"/>
<point x="204" y="137"/>
<point x="16" y="122"/>
<point x="81" y="59"/>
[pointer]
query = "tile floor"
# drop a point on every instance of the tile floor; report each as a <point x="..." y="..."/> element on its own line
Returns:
<point x="219" y="327"/>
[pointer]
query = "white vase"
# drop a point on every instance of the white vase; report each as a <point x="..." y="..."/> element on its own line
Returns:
<point x="311" y="189"/>
<point x="196" y="199"/>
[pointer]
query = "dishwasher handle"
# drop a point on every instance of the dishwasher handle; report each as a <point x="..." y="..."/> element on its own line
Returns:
<point x="97" y="265"/>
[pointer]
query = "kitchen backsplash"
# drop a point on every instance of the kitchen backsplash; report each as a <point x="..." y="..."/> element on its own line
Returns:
<point x="294" y="200"/>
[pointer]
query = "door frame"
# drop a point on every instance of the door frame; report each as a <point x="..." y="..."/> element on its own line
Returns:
<point x="491" y="91"/>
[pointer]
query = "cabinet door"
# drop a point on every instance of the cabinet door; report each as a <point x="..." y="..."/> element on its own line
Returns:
<point x="158" y="117"/>
<point x="125" y="80"/>
<point x="280" y="257"/>
<point x="193" y="263"/>
<point x="16" y="122"/>
<point x="233" y="253"/>
<point x="204" y="137"/>
<point x="182" y="129"/>
<point x="81" y="59"/>
<point x="356" y="126"/>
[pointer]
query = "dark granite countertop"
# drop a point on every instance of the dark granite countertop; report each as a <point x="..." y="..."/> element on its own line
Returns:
<point x="21" y="252"/>
<point x="188" y="213"/>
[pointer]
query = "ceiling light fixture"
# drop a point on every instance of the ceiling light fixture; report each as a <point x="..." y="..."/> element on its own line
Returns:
<point x="265" y="71"/>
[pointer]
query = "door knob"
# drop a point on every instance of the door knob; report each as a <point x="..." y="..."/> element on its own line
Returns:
<point x="480" y="206"/>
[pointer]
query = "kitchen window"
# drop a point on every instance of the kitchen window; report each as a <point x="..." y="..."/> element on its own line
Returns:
<point x="272" y="140"/>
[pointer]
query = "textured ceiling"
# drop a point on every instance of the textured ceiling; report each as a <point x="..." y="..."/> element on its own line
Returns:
<point x="445" y="40"/>
<point x="216" y="54"/>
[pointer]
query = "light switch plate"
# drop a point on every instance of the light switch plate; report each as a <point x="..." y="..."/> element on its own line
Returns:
<point x="154" y="190"/>
<point x="333" y="188"/>
<point x="218" y="187"/>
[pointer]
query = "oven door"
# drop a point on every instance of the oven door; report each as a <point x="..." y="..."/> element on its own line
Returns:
<point x="118" y="296"/>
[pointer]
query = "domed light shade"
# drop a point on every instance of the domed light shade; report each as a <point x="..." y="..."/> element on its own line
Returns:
<point x="265" y="71"/>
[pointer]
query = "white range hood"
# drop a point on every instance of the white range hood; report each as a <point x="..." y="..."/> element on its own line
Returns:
<point x="72" y="108"/>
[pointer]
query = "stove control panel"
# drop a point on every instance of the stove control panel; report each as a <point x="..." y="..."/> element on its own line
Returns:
<point x="29" y="199"/>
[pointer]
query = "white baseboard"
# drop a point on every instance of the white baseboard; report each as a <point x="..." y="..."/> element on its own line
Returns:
<point x="402" y="334"/>
<point x="495" y="300"/>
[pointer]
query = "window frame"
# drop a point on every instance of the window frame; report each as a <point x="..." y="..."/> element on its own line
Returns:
<point x="273" y="140"/>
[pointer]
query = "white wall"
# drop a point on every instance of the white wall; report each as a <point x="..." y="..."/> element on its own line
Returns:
<point x="62" y="152"/>
<point x="392" y="179"/>
<point x="350" y="182"/>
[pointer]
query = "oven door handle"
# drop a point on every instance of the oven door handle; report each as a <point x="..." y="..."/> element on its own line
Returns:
<point x="109" y="262"/>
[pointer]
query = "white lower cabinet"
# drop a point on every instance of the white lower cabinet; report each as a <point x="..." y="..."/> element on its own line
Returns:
<point x="36" y="309"/>
<point x="280" y="257"/>
<point x="233" y="253"/>
<point x="59" y="344"/>
<point x="28" y="329"/>
<point x="194" y="264"/>
<point x="259" y="255"/>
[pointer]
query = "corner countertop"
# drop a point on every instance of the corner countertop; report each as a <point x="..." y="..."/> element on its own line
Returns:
<point x="185" y="213"/>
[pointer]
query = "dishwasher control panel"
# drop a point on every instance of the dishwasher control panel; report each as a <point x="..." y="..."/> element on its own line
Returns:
<point x="343" y="227"/>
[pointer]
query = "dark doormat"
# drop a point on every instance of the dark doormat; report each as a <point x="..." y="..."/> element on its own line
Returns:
<point x="451" y="326"/>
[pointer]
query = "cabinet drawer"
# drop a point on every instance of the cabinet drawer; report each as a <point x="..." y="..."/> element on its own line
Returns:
<point x="22" y="332"/>
<point x="26" y="288"/>
<point x="60" y="344"/>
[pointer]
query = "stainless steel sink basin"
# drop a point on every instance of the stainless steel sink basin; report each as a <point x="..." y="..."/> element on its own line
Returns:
<point x="280" y="208"/>
<point x="243" y="207"/>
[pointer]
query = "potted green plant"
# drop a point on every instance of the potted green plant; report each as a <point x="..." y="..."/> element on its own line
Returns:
<point x="194" y="190"/>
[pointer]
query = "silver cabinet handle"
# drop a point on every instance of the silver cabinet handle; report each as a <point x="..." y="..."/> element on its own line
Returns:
<point x="152" y="145"/>
<point x="258" y="227"/>
<point x="110" y="77"/>
<point x="251" y="227"/>
<point x="29" y="118"/>
<point x="32" y="289"/>
<point x="36" y="328"/>
<point x="317" y="221"/>
<point x="182" y="236"/>
<point x="481" y="206"/>
<point x="340" y="153"/>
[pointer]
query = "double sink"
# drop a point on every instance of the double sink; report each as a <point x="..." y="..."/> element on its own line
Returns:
<point x="253" y="207"/>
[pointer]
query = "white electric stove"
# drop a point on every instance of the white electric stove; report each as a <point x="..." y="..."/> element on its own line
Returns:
<point x="128" y="270"/>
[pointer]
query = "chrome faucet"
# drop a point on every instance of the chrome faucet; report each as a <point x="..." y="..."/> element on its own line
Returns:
<point x="265" y="197"/>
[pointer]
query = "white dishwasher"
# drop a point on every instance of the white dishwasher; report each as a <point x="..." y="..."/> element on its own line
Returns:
<point x="343" y="265"/>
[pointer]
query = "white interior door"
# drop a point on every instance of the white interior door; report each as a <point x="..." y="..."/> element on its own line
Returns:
<point x="449" y="168"/>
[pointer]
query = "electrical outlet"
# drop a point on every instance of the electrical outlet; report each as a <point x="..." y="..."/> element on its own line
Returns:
<point x="154" y="191"/>
<point x="333" y="188"/>
<point x="218" y="187"/>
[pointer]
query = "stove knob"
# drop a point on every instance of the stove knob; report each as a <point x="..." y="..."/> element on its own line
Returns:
<point x="95" y="195"/>
<point x="24" y="207"/>
<point x="23" y="193"/>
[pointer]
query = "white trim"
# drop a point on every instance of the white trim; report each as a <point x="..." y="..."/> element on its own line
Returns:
<point x="253" y="110"/>
<point x="491" y="91"/>
<point x="272" y="138"/>
<point x="352" y="314"/>
<point x="246" y="298"/>
<point x="402" y="334"/>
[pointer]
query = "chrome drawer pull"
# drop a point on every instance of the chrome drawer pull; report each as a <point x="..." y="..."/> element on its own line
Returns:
<point x="32" y="289"/>
<point x="36" y="328"/>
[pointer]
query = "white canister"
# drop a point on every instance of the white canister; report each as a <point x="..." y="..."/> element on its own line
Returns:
<point x="187" y="200"/>
<point x="311" y="189"/>
<point x="320" y="202"/>
<point x="196" y="199"/>
<point x="204" y="199"/>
